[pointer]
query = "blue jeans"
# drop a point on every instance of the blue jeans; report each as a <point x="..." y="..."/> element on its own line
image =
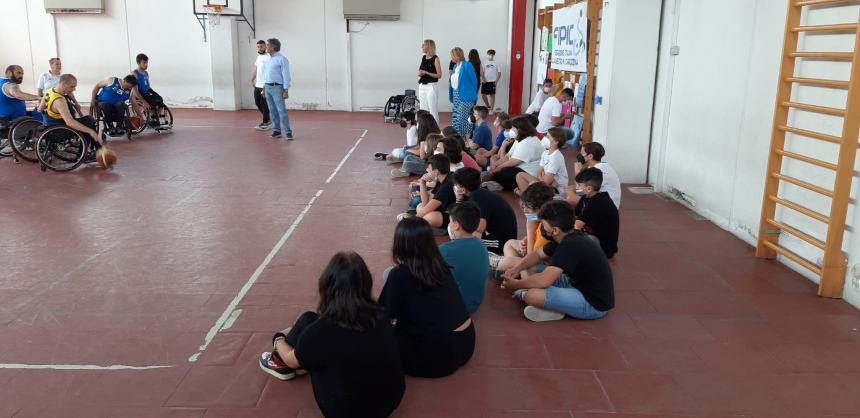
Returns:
<point x="277" y="108"/>
<point x="563" y="297"/>
<point x="413" y="164"/>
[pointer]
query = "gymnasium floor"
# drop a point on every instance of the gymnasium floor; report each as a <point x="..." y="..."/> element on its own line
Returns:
<point x="111" y="281"/>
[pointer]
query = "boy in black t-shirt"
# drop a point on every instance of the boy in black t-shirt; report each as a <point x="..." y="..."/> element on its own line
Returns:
<point x="498" y="220"/>
<point x="577" y="282"/>
<point x="434" y="206"/>
<point x="596" y="213"/>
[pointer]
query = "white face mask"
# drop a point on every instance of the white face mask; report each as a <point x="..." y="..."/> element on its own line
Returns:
<point x="451" y="232"/>
<point x="514" y="133"/>
<point x="508" y="134"/>
<point x="457" y="190"/>
<point x="546" y="90"/>
<point x="545" y="142"/>
<point x="437" y="152"/>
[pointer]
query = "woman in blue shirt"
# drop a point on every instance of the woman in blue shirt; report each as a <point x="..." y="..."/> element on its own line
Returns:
<point x="462" y="92"/>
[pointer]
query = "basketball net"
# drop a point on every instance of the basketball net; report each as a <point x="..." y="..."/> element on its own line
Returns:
<point x="213" y="13"/>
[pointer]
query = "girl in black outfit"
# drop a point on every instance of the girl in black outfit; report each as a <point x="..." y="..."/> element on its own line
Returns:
<point x="349" y="346"/>
<point x="433" y="328"/>
<point x="475" y="59"/>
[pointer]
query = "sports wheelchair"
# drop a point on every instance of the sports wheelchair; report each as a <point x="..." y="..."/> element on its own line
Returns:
<point x="158" y="118"/>
<point x="61" y="148"/>
<point x="18" y="138"/>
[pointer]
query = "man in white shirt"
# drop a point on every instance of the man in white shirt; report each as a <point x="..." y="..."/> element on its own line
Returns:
<point x="490" y="77"/>
<point x="52" y="78"/>
<point x="540" y="97"/>
<point x="551" y="115"/>
<point x="593" y="152"/>
<point x="257" y="82"/>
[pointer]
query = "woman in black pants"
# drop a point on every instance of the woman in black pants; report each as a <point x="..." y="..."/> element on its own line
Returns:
<point x="433" y="328"/>
<point x="348" y="346"/>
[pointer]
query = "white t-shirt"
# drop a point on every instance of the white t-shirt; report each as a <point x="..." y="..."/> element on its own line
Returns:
<point x="529" y="151"/>
<point x="554" y="164"/>
<point x="491" y="71"/>
<point x="412" y="136"/>
<point x="48" y="80"/>
<point x="551" y="108"/>
<point x="611" y="183"/>
<point x="540" y="97"/>
<point x="455" y="76"/>
<point x="259" y="63"/>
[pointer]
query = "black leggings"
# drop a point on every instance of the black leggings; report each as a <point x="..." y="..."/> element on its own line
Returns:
<point x="154" y="99"/>
<point x="507" y="177"/>
<point x="113" y="113"/>
<point x="436" y="356"/>
<point x="262" y="105"/>
<point x="305" y="320"/>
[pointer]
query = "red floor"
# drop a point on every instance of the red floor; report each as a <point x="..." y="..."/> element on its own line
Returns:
<point x="133" y="267"/>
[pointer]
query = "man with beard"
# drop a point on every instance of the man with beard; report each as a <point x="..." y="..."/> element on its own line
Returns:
<point x="12" y="99"/>
<point x="257" y="82"/>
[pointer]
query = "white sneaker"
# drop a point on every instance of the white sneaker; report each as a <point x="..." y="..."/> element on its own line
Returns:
<point x="403" y="215"/>
<point x="263" y="127"/>
<point x="541" y="315"/>
<point x="397" y="173"/>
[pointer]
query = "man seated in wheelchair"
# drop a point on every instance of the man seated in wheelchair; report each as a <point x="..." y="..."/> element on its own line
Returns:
<point x="150" y="98"/>
<point x="59" y="110"/>
<point x="12" y="99"/>
<point x="111" y="95"/>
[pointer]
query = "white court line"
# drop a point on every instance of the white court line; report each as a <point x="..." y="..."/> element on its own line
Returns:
<point x="231" y="313"/>
<point x="78" y="367"/>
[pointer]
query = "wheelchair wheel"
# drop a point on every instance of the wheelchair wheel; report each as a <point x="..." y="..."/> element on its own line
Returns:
<point x="410" y="103"/>
<point x="23" y="134"/>
<point x="144" y="120"/>
<point x="61" y="148"/>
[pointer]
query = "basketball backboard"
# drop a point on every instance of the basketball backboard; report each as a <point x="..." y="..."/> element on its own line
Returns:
<point x="240" y="10"/>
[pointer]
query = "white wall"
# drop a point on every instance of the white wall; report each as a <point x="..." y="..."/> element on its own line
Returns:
<point x="714" y="113"/>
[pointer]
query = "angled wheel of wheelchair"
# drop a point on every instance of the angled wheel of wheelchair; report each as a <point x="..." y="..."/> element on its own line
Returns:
<point x="101" y="126"/>
<point x="162" y="118"/>
<point x="23" y="134"/>
<point x="5" y="149"/>
<point x="142" y="127"/>
<point x="61" y="148"/>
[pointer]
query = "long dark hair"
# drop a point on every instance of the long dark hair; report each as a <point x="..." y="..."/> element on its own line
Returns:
<point x="426" y="125"/>
<point x="475" y="59"/>
<point x="344" y="288"/>
<point x="525" y="128"/>
<point x="415" y="248"/>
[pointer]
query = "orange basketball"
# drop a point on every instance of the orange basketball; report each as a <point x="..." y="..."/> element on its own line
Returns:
<point x="136" y="122"/>
<point x="105" y="157"/>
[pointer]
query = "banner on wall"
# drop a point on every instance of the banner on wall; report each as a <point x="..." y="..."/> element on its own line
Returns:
<point x="570" y="38"/>
<point x="543" y="60"/>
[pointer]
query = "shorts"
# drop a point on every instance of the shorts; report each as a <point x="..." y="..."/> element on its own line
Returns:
<point x="488" y="88"/>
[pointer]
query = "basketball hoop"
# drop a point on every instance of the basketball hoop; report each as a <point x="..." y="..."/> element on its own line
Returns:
<point x="213" y="13"/>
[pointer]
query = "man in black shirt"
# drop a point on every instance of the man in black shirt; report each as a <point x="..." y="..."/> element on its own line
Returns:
<point x="434" y="207"/>
<point x="596" y="213"/>
<point x="577" y="282"/>
<point x="498" y="221"/>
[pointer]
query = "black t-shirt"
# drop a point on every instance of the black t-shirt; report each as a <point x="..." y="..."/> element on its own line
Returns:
<point x="601" y="220"/>
<point x="500" y="217"/>
<point x="422" y="312"/>
<point x="579" y="256"/>
<point x="352" y="373"/>
<point x="444" y="193"/>
<point x="429" y="65"/>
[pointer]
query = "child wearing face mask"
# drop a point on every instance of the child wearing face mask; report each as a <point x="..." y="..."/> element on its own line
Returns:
<point x="466" y="254"/>
<point x="407" y="121"/>
<point x="546" y="91"/>
<point x="531" y="200"/>
<point x="552" y="170"/>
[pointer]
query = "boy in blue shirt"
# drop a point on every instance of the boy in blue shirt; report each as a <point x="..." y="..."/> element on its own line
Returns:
<point x="467" y="254"/>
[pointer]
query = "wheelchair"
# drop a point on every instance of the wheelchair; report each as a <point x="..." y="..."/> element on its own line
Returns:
<point x="124" y="128"/>
<point x="61" y="148"/>
<point x="19" y="138"/>
<point x="158" y="118"/>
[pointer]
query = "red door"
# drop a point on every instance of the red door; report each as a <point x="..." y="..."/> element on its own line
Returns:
<point x="518" y="57"/>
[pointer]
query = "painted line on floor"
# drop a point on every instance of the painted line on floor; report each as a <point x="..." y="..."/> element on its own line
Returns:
<point x="78" y="367"/>
<point x="231" y="313"/>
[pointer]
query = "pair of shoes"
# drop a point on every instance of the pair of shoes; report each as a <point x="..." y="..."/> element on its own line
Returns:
<point x="272" y="364"/>
<point x="275" y="135"/>
<point x="379" y="156"/>
<point x="263" y="127"/>
<point x="289" y="136"/>
<point x="541" y="315"/>
<point x="397" y="173"/>
<point x="492" y="186"/>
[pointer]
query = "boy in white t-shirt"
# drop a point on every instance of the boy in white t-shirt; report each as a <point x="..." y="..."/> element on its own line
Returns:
<point x="593" y="153"/>
<point x="257" y="82"/>
<point x="551" y="115"/>
<point x="552" y="170"/>
<point x="491" y="75"/>
<point x="407" y="121"/>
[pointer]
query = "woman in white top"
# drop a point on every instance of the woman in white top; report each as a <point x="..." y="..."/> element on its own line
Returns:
<point x="523" y="156"/>
<point x="552" y="170"/>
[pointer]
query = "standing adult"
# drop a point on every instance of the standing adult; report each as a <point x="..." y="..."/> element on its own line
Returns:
<point x="257" y="82"/>
<point x="463" y="91"/>
<point x="52" y="78"/>
<point x="475" y="60"/>
<point x="429" y="73"/>
<point x="276" y="83"/>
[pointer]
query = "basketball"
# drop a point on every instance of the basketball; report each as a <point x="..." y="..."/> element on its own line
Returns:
<point x="136" y="122"/>
<point x="106" y="157"/>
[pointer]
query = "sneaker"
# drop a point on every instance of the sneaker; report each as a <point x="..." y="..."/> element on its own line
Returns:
<point x="397" y="173"/>
<point x="263" y="127"/>
<point x="392" y="159"/>
<point x="494" y="260"/>
<point x="379" y="156"/>
<point x="289" y="136"/>
<point x="520" y="294"/>
<point x="492" y="186"/>
<point x="541" y="315"/>
<point x="272" y="364"/>
<point x="275" y="135"/>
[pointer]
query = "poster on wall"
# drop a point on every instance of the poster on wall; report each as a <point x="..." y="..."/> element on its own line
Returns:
<point x="570" y="38"/>
<point x="543" y="61"/>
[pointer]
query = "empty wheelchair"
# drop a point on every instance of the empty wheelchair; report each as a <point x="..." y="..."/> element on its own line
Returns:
<point x="61" y="148"/>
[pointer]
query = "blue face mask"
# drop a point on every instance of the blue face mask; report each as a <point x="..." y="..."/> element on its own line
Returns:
<point x="531" y="217"/>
